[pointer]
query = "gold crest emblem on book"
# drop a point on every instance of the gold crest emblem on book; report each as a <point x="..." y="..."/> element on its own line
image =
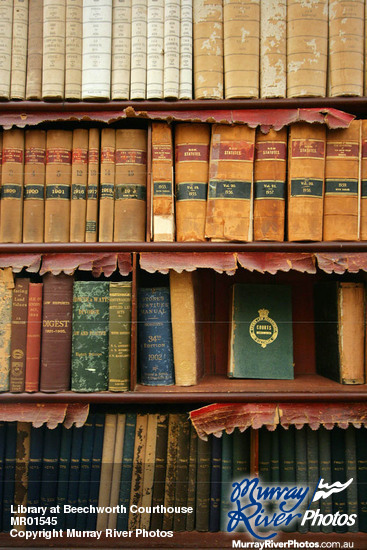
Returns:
<point x="263" y="330"/>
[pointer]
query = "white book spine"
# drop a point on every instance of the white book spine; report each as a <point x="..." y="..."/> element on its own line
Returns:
<point x="6" y="27"/>
<point x="53" y="69"/>
<point x="19" y="49"/>
<point x="155" y="46"/>
<point x="97" y="43"/>
<point x="138" y="49"/>
<point x="73" y="49"/>
<point x="121" y="49"/>
<point x="273" y="48"/>
<point x="186" y="50"/>
<point x="171" y="48"/>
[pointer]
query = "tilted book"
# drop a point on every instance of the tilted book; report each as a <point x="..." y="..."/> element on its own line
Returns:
<point x="53" y="59"/>
<point x="273" y="48"/>
<point x="19" y="49"/>
<point x="162" y="183"/>
<point x="34" y="186"/>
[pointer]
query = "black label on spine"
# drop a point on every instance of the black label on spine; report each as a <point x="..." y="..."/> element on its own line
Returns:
<point x="90" y="227"/>
<point x="191" y="191"/>
<point x="34" y="191"/>
<point x="78" y="191"/>
<point x="11" y="191"/>
<point x="162" y="189"/>
<point x="270" y="190"/>
<point x="107" y="190"/>
<point x="341" y="186"/>
<point x="61" y="192"/>
<point x="92" y="191"/>
<point x="306" y="187"/>
<point x="227" y="189"/>
<point x="364" y="189"/>
<point x="131" y="191"/>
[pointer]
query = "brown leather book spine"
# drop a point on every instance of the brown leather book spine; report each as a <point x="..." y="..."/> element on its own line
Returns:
<point x="34" y="186"/>
<point x="58" y="183"/>
<point x="79" y="179"/>
<point x="12" y="187"/>
<point x="130" y="186"/>
<point x="91" y="221"/>
<point x="351" y="319"/>
<point x="35" y="45"/>
<point x="21" y="472"/>
<point x="306" y="173"/>
<point x="56" y="333"/>
<point x="363" y="222"/>
<point x="342" y="183"/>
<point x="230" y="195"/>
<point x="192" y="174"/>
<point x="18" y="335"/>
<point x="270" y="185"/>
<point x="162" y="183"/>
<point x="34" y="325"/>
<point x="107" y="185"/>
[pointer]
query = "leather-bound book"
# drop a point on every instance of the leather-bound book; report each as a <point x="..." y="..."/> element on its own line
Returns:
<point x="19" y="335"/>
<point x="6" y="27"/>
<point x="203" y="485"/>
<point x="121" y="46"/>
<point x="306" y="172"/>
<point x="186" y="50"/>
<point x="9" y="473"/>
<point x="21" y="469"/>
<point x="191" y="479"/>
<point x="63" y="474"/>
<point x="171" y="48"/>
<point x="109" y="438"/>
<point x="273" y="48"/>
<point x="50" y="467"/>
<point x="139" y="31"/>
<point x="148" y="470"/>
<point x="6" y="297"/>
<point x="53" y="59"/>
<point x="137" y="474"/>
<point x="74" y="473"/>
<point x="95" y="470"/>
<point x="215" y="484"/>
<point x="326" y="505"/>
<point x="227" y="479"/>
<point x="162" y="183"/>
<point x="351" y="472"/>
<point x="119" y="336"/>
<point x="171" y="470"/>
<point x="35" y="467"/>
<point x="12" y="187"/>
<point x="338" y="474"/>
<point x="56" y="333"/>
<point x="85" y="469"/>
<point x="156" y="53"/>
<point x="159" y="469"/>
<point x="34" y="186"/>
<point x="35" y="50"/>
<point x="361" y="445"/>
<point x="313" y="469"/>
<point x="301" y="465"/>
<point x="130" y="185"/>
<point x="91" y="220"/>
<point x="79" y="180"/>
<point x="182" y="471"/>
<point x="73" y="49"/>
<point x="34" y="328"/>
<point x="126" y="470"/>
<point x="270" y="185"/>
<point x="58" y="184"/>
<point x="363" y="222"/>
<point x="19" y="49"/>
<point x="342" y="183"/>
<point x="192" y="174"/>
<point x="116" y="470"/>
<point x="107" y="185"/>
<point x="230" y="194"/>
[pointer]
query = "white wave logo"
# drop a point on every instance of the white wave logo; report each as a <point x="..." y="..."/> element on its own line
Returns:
<point x="324" y="490"/>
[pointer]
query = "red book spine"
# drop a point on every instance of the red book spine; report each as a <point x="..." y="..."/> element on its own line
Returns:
<point x="34" y="325"/>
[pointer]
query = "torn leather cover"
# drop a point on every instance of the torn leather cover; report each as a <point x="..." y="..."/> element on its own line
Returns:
<point x="50" y="414"/>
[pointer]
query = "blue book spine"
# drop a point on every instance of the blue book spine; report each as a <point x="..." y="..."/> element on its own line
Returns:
<point x="2" y="457"/>
<point x="50" y="467"/>
<point x="227" y="478"/>
<point x="95" y="470"/>
<point x="35" y="473"/>
<point x="63" y="477"/>
<point x="73" y="489"/>
<point x="85" y="469"/>
<point x="126" y="470"/>
<point x="215" y="482"/>
<point x="9" y="474"/>
<point x="155" y="337"/>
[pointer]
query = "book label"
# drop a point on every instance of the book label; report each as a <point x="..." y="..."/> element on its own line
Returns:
<point x="58" y="156"/>
<point x="58" y="192"/>
<point x="131" y="191"/>
<point x="312" y="148"/>
<point x="162" y="152"/>
<point x="191" y="191"/>
<point x="192" y="153"/>
<point x="11" y="191"/>
<point x="162" y="189"/>
<point x="235" y="150"/>
<point x="306" y="187"/>
<point x="364" y="189"/>
<point x="338" y="186"/>
<point x="92" y="192"/>
<point x="130" y="156"/>
<point x="90" y="227"/>
<point x="34" y="191"/>
<point x="107" y="190"/>
<point x="12" y="155"/>
<point x="35" y="155"/>
<point x="227" y="189"/>
<point x="80" y="156"/>
<point x="270" y="190"/>
<point x="342" y="150"/>
<point x="93" y="156"/>
<point x="108" y="155"/>
<point x="78" y="191"/>
<point x="273" y="150"/>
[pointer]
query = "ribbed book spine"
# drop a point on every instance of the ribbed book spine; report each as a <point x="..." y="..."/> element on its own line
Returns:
<point x="73" y="52"/>
<point x="186" y="50"/>
<point x="106" y="469"/>
<point x="6" y="297"/>
<point x="35" y="50"/>
<point x="79" y="181"/>
<point x="107" y="185"/>
<point x="273" y="48"/>
<point x="97" y="45"/>
<point x="159" y="470"/>
<point x="162" y="183"/>
<point x="121" y="48"/>
<point x="6" y="28"/>
<point x="116" y="470"/>
<point x="19" y="49"/>
<point x="138" y="75"/>
<point x="19" y="335"/>
<point x="172" y="48"/>
<point x="34" y="328"/>
<point x="156" y="53"/>
<point x="12" y="187"/>
<point x="119" y="336"/>
<point x="241" y="30"/>
<point x="34" y="186"/>
<point x="91" y="220"/>
<point x="53" y="59"/>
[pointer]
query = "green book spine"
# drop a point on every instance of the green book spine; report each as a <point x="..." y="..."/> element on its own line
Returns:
<point x="241" y="454"/>
<point x="301" y="466"/>
<point x="63" y="475"/>
<point x="171" y="471"/>
<point x="264" y="454"/>
<point x="119" y="336"/>
<point x="203" y="485"/>
<point x="159" y="470"/>
<point x="215" y="483"/>
<point x="326" y="504"/>
<point x="89" y="365"/>
<point x="85" y="469"/>
<point x="287" y="463"/>
<point x="191" y="489"/>
<point x="338" y="473"/>
<point x="274" y="462"/>
<point x="182" y="466"/>
<point x="351" y="472"/>
<point x="74" y="473"/>
<point x="226" y="485"/>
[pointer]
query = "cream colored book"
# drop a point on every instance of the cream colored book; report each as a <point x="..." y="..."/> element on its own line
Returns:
<point x="73" y="53"/>
<point x="105" y="483"/>
<point x="138" y="73"/>
<point x="121" y="47"/>
<point x="307" y="48"/>
<point x="186" y="50"/>
<point x="208" y="49"/>
<point x="6" y="30"/>
<point x="97" y="45"/>
<point x="19" y="49"/>
<point x="346" y="47"/>
<point x="116" y="470"/>
<point x="149" y="463"/>
<point x="155" y="48"/>
<point x="241" y="31"/>
<point x="53" y="69"/>
<point x="273" y="48"/>
<point x="172" y="48"/>
<point x="35" y="44"/>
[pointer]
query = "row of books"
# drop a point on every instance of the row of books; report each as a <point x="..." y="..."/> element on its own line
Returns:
<point x="154" y="49"/>
<point x="150" y="471"/>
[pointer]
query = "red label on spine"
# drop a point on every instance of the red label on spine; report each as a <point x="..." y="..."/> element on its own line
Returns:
<point x="192" y="153"/>
<point x="271" y="150"/>
<point x="80" y="156"/>
<point x="342" y="150"/>
<point x="235" y="150"/>
<point x="12" y="155"/>
<point x="93" y="156"/>
<point x="310" y="148"/>
<point x="162" y="152"/>
<point x="58" y="156"/>
<point x="35" y="155"/>
<point x="130" y="156"/>
<point x="108" y="155"/>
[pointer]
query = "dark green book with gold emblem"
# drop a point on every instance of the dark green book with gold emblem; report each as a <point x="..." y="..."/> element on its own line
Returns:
<point x="261" y="335"/>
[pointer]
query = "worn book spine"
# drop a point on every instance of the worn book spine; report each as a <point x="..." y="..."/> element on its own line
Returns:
<point x="240" y="454"/>
<point x="287" y="461"/>
<point x="89" y="361"/>
<point x="361" y="446"/>
<point x="306" y="169"/>
<point x="203" y="485"/>
<point x="326" y="505"/>
<point x="79" y="181"/>
<point x="91" y="216"/>
<point x="95" y="470"/>
<point x="19" y="49"/>
<point x="130" y="186"/>
<point x="12" y="187"/>
<point x="58" y="185"/>
<point x="63" y="474"/>
<point x="182" y="471"/>
<point x="313" y="471"/>
<point x="338" y="473"/>
<point x="307" y="48"/>
<point x="138" y="74"/>
<point x="6" y="298"/>
<point x="73" y="49"/>
<point x="241" y="31"/>
<point x="274" y="460"/>
<point x="264" y="454"/>
<point x="35" y="50"/>
<point x="9" y="474"/>
<point x="34" y="327"/>
<point x="191" y="479"/>
<point x="192" y="174"/>
<point x="273" y="48"/>
<point x="35" y="467"/>
<point x="215" y="484"/>
<point x="6" y="28"/>
<point x="346" y="47"/>
<point x="119" y="336"/>
<point x="300" y="440"/>
<point x="74" y="472"/>
<point x="19" y="335"/>
<point x="159" y="470"/>
<point x="162" y="183"/>
<point x="186" y="50"/>
<point x="137" y="474"/>
<point x="148" y="473"/>
<point x="50" y="467"/>
<point x="270" y="169"/>
<point x="229" y="212"/>
<point x="116" y="470"/>
<point x="56" y="333"/>
<point x="109" y="438"/>
<point x="172" y="48"/>
<point x="208" y="54"/>
<point x="121" y="47"/>
<point x="342" y="183"/>
<point x="226" y="480"/>
<point x="156" y="54"/>
<point x="34" y="186"/>
<point x="107" y="185"/>
<point x="126" y="470"/>
<point x="363" y="215"/>
<point x="351" y="473"/>
<point x="21" y="469"/>
<point x="53" y="58"/>
<point x="171" y="469"/>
